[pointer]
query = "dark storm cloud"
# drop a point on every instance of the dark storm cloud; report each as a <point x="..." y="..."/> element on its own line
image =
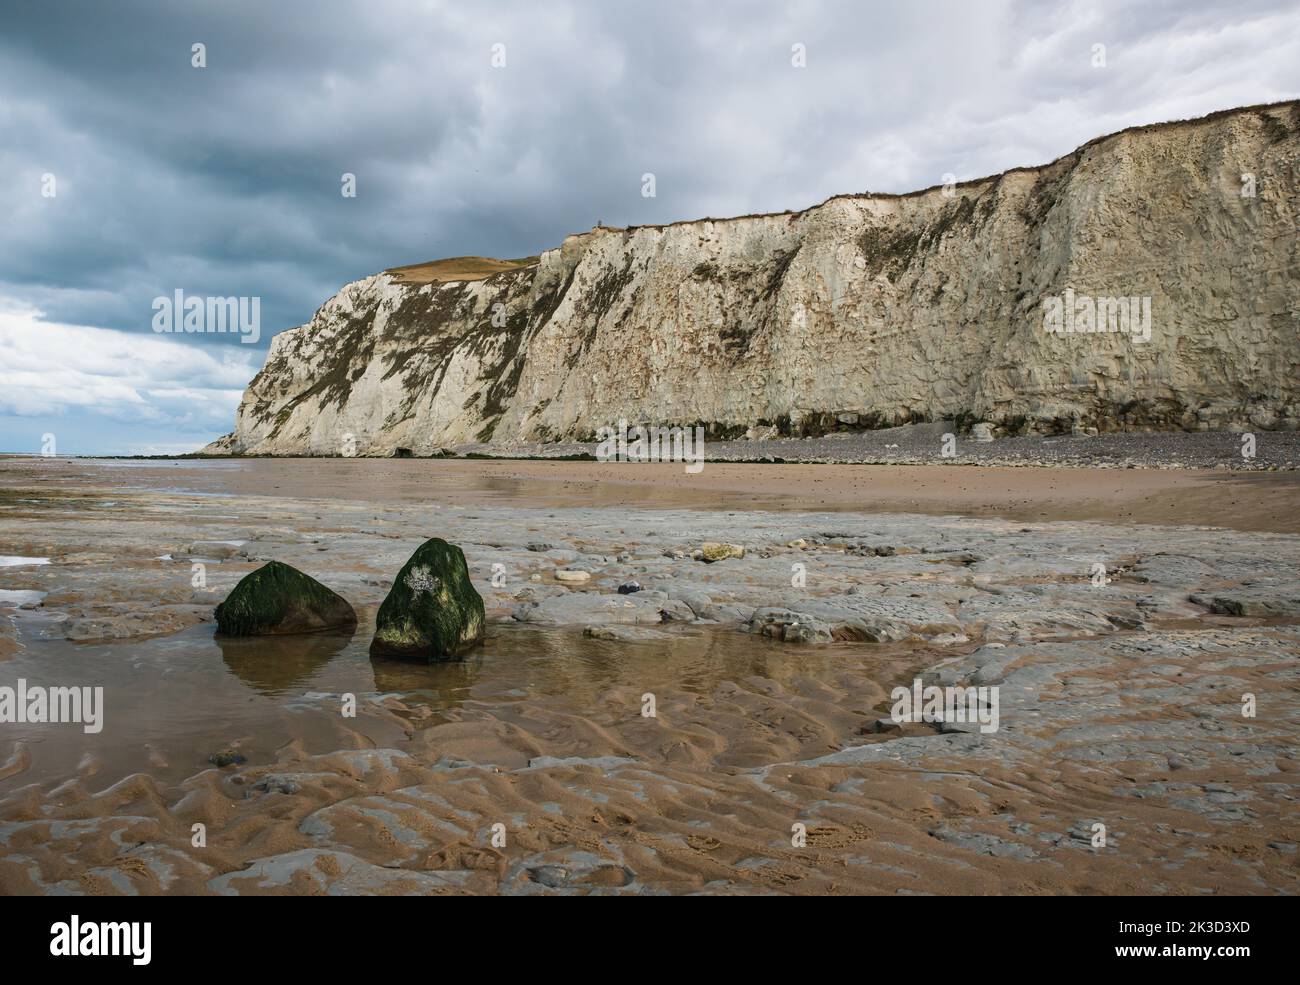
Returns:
<point x="225" y="180"/>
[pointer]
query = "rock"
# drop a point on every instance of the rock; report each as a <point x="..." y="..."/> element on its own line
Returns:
<point x="985" y="844"/>
<point x="551" y="876"/>
<point x="628" y="587"/>
<point x="207" y="550"/>
<point x="156" y="621"/>
<point x="275" y="784"/>
<point x="872" y="618"/>
<point x="571" y="575"/>
<point x="623" y="634"/>
<point x="948" y="639"/>
<point x="591" y="608"/>
<point x="879" y="550"/>
<point x="674" y="610"/>
<point x="433" y="611"/>
<point x="805" y="632"/>
<point x="697" y="600"/>
<point x="982" y="432"/>
<point x="1250" y="602"/>
<point x="788" y="626"/>
<point x="725" y="612"/>
<point x="711" y="552"/>
<point x="278" y="599"/>
<point x="227" y="757"/>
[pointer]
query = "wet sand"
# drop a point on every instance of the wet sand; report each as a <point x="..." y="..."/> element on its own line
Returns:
<point x="1120" y="705"/>
<point x="1265" y="501"/>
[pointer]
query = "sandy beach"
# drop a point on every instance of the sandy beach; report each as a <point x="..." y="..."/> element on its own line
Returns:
<point x="1237" y="500"/>
<point x="532" y="768"/>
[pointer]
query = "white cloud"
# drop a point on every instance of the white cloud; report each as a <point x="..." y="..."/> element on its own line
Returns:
<point x="52" y="368"/>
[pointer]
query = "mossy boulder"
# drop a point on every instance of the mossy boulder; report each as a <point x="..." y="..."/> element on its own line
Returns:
<point x="278" y="599"/>
<point x="432" y="611"/>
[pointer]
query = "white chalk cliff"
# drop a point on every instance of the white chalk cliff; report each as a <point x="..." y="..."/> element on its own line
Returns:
<point x="864" y="311"/>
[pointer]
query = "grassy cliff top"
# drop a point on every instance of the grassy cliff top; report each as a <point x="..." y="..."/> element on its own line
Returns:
<point x="456" y="269"/>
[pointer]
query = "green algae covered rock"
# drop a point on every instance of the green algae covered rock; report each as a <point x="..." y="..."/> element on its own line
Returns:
<point x="433" y="611"/>
<point x="278" y="599"/>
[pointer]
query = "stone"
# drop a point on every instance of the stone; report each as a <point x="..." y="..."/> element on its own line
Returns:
<point x="591" y="608"/>
<point x="433" y="611"/>
<point x="1250" y="602"/>
<point x="571" y="575"/>
<point x="210" y="550"/>
<point x="628" y="587"/>
<point x="788" y="626"/>
<point x="623" y="634"/>
<point x="982" y="431"/>
<point x="551" y="876"/>
<point x="277" y="784"/>
<point x="674" y="610"/>
<point x="278" y="599"/>
<point x="711" y="552"/>
<point x="949" y="639"/>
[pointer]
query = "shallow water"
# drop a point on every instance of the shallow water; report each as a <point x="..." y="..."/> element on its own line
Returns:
<point x="16" y="597"/>
<point x="10" y="561"/>
<point x="172" y="702"/>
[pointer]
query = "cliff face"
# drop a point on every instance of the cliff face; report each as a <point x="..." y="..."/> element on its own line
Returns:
<point x="864" y="311"/>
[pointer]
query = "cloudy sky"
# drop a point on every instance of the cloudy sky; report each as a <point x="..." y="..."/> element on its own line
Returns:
<point x="127" y="173"/>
